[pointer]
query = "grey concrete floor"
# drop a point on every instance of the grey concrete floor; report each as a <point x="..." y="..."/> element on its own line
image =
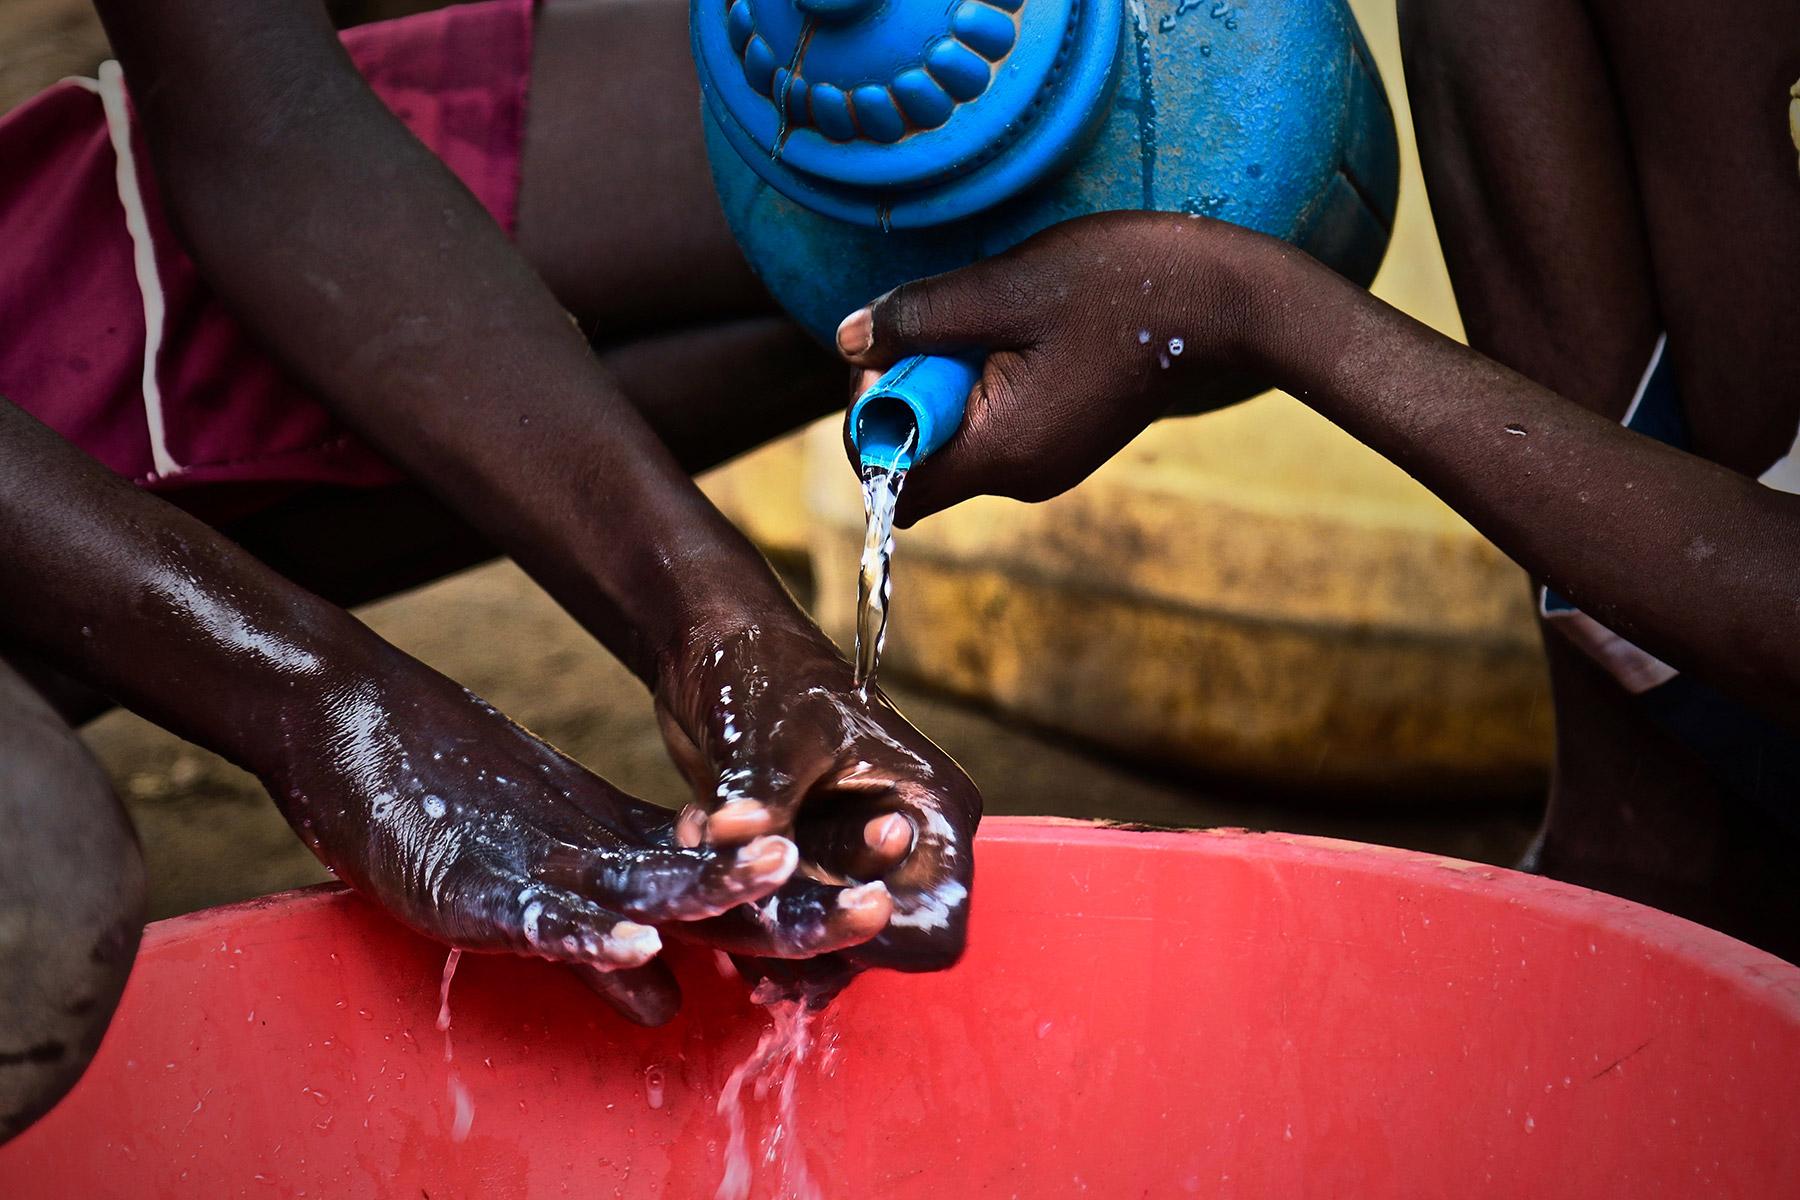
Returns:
<point x="212" y="836"/>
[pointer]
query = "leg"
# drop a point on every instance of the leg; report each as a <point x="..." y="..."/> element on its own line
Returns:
<point x="71" y="905"/>
<point x="1601" y="172"/>
<point x="616" y="206"/>
<point x="617" y="213"/>
<point x="356" y="546"/>
<point x="1531" y="183"/>
<point x="1705" y="118"/>
<point x="1524" y="153"/>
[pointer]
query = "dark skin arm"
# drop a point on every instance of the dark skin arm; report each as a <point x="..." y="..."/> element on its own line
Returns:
<point x="1601" y="172"/>
<point x="380" y="281"/>
<point x="343" y="243"/>
<point x="1577" y="500"/>
<point x="462" y="824"/>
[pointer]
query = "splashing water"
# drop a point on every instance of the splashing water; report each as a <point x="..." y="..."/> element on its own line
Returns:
<point x="655" y="1081"/>
<point x="881" y="483"/>
<point x="774" y="1064"/>
<point x="461" y="1103"/>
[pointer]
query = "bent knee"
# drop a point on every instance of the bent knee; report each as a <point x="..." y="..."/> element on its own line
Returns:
<point x="71" y="905"/>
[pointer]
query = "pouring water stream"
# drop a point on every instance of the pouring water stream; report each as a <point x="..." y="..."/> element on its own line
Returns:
<point x="882" y="480"/>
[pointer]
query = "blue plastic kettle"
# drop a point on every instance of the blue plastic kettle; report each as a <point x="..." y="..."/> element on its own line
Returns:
<point x="858" y="144"/>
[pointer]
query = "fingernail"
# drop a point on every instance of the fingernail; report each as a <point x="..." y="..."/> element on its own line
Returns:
<point x="735" y="818"/>
<point x="629" y="940"/>
<point x="856" y="333"/>
<point x="769" y="857"/>
<point x="885" y="832"/>
<point x="867" y="895"/>
<point x="690" y="827"/>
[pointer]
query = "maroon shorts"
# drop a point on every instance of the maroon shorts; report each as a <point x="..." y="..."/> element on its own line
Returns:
<point x="107" y="332"/>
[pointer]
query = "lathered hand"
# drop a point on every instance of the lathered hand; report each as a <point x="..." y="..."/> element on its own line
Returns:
<point x="767" y="725"/>
<point x="474" y="832"/>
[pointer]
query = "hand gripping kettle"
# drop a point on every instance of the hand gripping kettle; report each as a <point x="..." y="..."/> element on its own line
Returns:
<point x="858" y="144"/>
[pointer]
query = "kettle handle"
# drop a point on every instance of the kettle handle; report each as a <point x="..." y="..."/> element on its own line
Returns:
<point x="912" y="409"/>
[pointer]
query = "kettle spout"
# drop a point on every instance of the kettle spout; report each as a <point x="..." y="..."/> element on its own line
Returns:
<point x="913" y="409"/>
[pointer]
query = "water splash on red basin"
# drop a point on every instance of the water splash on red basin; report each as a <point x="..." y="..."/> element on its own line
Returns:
<point x="1140" y="1014"/>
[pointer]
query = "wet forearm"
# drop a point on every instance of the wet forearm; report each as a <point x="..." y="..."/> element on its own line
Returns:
<point x="375" y="275"/>
<point x="1697" y="563"/>
<point x="129" y="595"/>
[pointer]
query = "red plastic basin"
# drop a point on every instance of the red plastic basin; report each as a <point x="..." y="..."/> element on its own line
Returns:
<point x="1140" y="1014"/>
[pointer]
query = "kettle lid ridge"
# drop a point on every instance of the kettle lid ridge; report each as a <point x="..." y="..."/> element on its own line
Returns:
<point x="905" y="112"/>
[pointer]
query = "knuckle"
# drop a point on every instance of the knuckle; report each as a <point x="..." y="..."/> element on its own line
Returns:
<point x="900" y="316"/>
<point x="1004" y="384"/>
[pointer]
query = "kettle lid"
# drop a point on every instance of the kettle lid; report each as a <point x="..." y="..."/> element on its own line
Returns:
<point x="905" y="112"/>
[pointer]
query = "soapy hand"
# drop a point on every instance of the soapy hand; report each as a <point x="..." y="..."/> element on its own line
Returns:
<point x="475" y="833"/>
<point x="1093" y="329"/>
<point x="766" y="723"/>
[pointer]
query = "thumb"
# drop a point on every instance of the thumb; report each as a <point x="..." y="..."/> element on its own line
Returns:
<point x="984" y="306"/>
